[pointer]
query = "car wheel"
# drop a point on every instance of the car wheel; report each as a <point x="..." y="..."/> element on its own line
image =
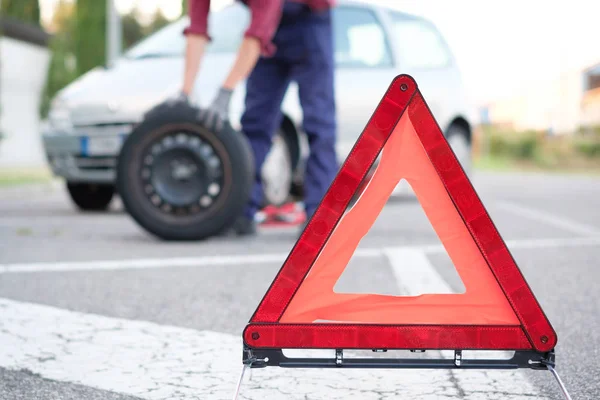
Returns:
<point x="458" y="139"/>
<point x="181" y="180"/>
<point x="277" y="172"/>
<point x="91" y="197"/>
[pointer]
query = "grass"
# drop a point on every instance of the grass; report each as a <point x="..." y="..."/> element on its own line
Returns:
<point x="11" y="177"/>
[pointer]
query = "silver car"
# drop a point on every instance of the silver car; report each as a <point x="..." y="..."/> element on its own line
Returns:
<point x="90" y="117"/>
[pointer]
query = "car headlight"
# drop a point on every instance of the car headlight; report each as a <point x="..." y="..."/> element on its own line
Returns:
<point x="59" y="115"/>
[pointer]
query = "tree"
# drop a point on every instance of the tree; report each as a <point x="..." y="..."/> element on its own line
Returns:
<point x="158" y="21"/>
<point x="132" y="29"/>
<point x="184" y="7"/>
<point x="90" y="34"/>
<point x="63" y="66"/>
<point x="22" y="10"/>
<point x="62" y="18"/>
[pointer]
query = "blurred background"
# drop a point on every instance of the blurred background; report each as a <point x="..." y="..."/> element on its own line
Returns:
<point x="47" y="44"/>
<point x="532" y="71"/>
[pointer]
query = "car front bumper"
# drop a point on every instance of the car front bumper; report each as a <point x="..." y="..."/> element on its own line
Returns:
<point x="83" y="158"/>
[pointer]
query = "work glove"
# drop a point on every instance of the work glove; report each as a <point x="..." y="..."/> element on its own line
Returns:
<point x="217" y="113"/>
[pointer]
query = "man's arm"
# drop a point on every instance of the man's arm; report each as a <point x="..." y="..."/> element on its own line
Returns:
<point x="265" y="16"/>
<point x="196" y="39"/>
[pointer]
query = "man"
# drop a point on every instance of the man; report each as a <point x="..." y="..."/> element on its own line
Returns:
<point x="257" y="40"/>
<point x="286" y="40"/>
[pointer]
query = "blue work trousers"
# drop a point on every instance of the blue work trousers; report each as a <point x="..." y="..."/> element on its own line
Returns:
<point x="304" y="42"/>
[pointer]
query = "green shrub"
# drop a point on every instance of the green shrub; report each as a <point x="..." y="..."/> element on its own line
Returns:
<point x="521" y="145"/>
<point x="526" y="146"/>
<point x="526" y="149"/>
<point x="498" y="144"/>
<point x="588" y="148"/>
<point x="592" y="131"/>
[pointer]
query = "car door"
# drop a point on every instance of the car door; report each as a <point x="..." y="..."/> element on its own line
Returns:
<point x="365" y="68"/>
<point x="423" y="54"/>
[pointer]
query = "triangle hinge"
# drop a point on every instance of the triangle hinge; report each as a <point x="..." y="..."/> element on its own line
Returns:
<point x="544" y="361"/>
<point x="339" y="357"/>
<point x="252" y="361"/>
<point x="549" y="363"/>
<point x="458" y="358"/>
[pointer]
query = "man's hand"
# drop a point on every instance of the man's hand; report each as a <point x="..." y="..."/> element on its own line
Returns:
<point x="218" y="112"/>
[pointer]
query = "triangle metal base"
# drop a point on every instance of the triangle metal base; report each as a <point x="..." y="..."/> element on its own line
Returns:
<point x="262" y="358"/>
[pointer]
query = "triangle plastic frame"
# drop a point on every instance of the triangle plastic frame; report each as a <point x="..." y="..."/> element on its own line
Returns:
<point x="533" y="340"/>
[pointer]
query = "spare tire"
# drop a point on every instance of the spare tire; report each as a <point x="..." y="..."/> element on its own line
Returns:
<point x="181" y="180"/>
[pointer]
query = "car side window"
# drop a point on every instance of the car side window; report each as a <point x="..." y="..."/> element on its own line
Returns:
<point x="359" y="39"/>
<point x="420" y="44"/>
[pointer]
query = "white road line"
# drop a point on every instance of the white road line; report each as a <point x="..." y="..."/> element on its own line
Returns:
<point x="549" y="218"/>
<point x="414" y="273"/>
<point x="158" y="362"/>
<point x="260" y="259"/>
<point x="150" y="263"/>
<point x="552" y="243"/>
<point x="147" y="263"/>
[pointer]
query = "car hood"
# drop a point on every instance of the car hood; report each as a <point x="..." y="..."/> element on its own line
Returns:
<point x="126" y="90"/>
<point x="122" y="91"/>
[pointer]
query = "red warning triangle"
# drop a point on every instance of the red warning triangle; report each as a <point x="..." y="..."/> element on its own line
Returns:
<point x="498" y="310"/>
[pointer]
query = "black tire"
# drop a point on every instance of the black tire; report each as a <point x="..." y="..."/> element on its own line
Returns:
<point x="91" y="197"/>
<point x="168" y="218"/>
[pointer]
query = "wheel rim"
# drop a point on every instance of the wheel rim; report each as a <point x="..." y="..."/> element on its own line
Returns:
<point x="277" y="172"/>
<point x="182" y="174"/>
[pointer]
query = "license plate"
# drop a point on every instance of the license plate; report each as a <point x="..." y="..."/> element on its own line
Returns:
<point x="101" y="145"/>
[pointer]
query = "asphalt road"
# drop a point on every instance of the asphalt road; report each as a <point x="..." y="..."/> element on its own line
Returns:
<point x="91" y="306"/>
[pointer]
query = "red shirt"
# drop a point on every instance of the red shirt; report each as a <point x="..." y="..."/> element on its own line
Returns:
<point x="265" y="17"/>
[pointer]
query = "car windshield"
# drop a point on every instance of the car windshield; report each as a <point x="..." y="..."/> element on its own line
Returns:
<point x="226" y="28"/>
